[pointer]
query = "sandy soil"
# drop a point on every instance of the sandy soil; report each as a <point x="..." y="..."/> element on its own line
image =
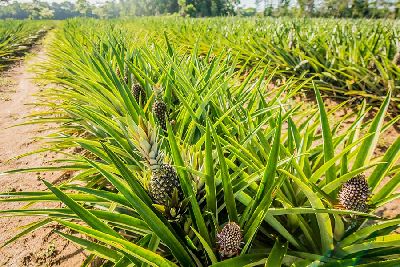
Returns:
<point x="43" y="247"/>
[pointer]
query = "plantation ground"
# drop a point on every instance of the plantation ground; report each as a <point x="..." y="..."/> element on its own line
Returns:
<point x="43" y="247"/>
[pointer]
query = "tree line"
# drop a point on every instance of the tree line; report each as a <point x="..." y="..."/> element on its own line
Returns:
<point x="332" y="8"/>
<point x="113" y="9"/>
<point x="200" y="8"/>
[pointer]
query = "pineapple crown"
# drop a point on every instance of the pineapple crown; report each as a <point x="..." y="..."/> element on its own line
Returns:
<point x="146" y="142"/>
<point x="158" y="92"/>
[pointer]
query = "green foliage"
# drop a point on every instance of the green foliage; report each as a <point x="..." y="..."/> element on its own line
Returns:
<point x="345" y="58"/>
<point x="16" y="38"/>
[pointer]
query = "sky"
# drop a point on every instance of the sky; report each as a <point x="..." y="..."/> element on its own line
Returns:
<point x="248" y="3"/>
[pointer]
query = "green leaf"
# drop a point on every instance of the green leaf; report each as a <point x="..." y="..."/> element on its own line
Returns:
<point x="243" y="260"/>
<point x="276" y="255"/>
<point x="160" y="227"/>
<point x="329" y="151"/>
<point x="187" y="185"/>
<point x="128" y="176"/>
<point x="208" y="249"/>
<point x="127" y="247"/>
<point x="380" y="172"/>
<point x="324" y="222"/>
<point x="269" y="174"/>
<point x="83" y="213"/>
<point x="384" y="263"/>
<point x="387" y="189"/>
<point x="226" y="180"/>
<point x="367" y="147"/>
<point x="209" y="170"/>
<point x="366" y="232"/>
<point x="392" y="240"/>
<point x="97" y="249"/>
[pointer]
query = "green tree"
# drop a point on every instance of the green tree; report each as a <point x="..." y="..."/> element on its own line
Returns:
<point x="83" y="7"/>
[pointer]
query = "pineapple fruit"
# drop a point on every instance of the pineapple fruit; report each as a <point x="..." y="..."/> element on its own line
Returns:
<point x="139" y="94"/>
<point x="160" y="108"/>
<point x="229" y="240"/>
<point x="354" y="194"/>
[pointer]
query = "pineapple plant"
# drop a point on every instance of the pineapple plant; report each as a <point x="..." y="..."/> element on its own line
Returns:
<point x="164" y="185"/>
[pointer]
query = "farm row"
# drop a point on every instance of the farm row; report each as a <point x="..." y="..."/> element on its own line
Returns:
<point x="346" y="58"/>
<point x="16" y="38"/>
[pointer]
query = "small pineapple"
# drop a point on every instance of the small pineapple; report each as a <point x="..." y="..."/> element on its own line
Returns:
<point x="229" y="240"/>
<point x="354" y="194"/>
<point x="139" y="93"/>
<point x="164" y="186"/>
<point x="160" y="109"/>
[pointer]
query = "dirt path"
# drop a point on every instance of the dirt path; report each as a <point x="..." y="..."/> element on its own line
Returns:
<point x="42" y="248"/>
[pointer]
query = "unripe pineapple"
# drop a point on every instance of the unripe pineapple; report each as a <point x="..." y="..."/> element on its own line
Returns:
<point x="162" y="183"/>
<point x="164" y="186"/>
<point x="354" y="194"/>
<point x="160" y="108"/>
<point x="229" y="240"/>
<point x="139" y="93"/>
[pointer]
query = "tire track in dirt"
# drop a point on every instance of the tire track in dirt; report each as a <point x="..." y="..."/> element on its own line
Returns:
<point x="43" y="247"/>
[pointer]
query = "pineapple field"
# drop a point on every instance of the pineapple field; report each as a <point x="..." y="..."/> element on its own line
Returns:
<point x="212" y="142"/>
<point x="16" y="38"/>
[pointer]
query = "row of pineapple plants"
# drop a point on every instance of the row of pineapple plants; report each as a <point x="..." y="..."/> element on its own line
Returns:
<point x="16" y="38"/>
<point x="347" y="58"/>
<point x="184" y="160"/>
